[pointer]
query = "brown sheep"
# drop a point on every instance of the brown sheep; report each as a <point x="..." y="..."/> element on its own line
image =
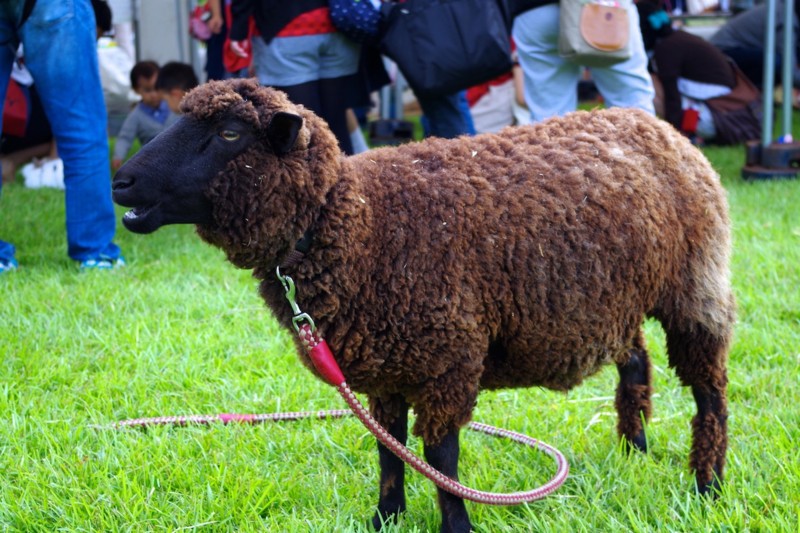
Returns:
<point x="440" y="268"/>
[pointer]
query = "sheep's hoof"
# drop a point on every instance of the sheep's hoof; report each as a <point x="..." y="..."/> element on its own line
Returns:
<point x="457" y="527"/>
<point x="712" y="489"/>
<point x="382" y="518"/>
<point x="639" y="442"/>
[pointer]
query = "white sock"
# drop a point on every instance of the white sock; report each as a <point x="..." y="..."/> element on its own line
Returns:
<point x="358" y="141"/>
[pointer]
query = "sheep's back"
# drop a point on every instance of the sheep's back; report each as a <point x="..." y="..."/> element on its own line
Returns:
<point x="547" y="243"/>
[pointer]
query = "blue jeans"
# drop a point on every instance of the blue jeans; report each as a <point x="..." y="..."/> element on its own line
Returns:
<point x="551" y="82"/>
<point x="445" y="115"/>
<point x="60" y="47"/>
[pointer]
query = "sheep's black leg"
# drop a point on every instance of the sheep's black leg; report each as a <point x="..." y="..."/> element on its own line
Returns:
<point x="392" y="500"/>
<point x="710" y="431"/>
<point x="633" y="396"/>
<point x="699" y="358"/>
<point x="444" y="457"/>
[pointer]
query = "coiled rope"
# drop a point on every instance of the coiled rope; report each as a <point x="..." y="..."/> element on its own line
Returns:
<point x="326" y="365"/>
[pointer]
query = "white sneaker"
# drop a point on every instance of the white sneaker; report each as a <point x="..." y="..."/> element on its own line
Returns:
<point x="44" y="173"/>
<point x="53" y="173"/>
<point x="32" y="173"/>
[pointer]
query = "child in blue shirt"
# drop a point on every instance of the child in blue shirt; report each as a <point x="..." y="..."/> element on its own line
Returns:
<point x="150" y="116"/>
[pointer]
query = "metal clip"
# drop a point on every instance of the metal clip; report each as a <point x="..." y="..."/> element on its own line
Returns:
<point x="298" y="315"/>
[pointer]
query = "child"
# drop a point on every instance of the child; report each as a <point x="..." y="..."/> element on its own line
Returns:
<point x="150" y="116"/>
<point x="175" y="79"/>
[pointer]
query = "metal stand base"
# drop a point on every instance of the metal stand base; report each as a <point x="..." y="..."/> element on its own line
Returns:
<point x="774" y="161"/>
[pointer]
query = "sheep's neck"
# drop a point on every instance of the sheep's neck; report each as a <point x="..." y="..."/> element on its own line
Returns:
<point x="336" y="244"/>
<point x="301" y="248"/>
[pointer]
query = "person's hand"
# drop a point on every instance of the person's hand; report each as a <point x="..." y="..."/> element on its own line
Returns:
<point x="116" y="163"/>
<point x="215" y="24"/>
<point x="241" y="48"/>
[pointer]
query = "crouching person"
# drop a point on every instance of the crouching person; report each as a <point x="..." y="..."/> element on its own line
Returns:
<point x="699" y="90"/>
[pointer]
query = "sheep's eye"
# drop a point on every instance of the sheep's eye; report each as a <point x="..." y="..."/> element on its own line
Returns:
<point x="229" y="135"/>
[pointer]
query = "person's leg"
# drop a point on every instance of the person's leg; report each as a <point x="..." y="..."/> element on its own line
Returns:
<point x="658" y="100"/>
<point x="444" y="116"/>
<point x="751" y="62"/>
<point x="463" y="105"/>
<point x="215" y="68"/>
<point x="628" y="84"/>
<point x="313" y="71"/>
<point x="7" y="259"/>
<point x="551" y="83"/>
<point x="339" y="59"/>
<point x="327" y="99"/>
<point x="356" y="135"/>
<point x="335" y="99"/>
<point x="12" y="161"/>
<point x="36" y="143"/>
<point x="493" y="111"/>
<point x="77" y="115"/>
<point x="7" y="52"/>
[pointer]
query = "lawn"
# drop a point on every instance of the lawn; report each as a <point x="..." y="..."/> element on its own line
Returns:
<point x="180" y="331"/>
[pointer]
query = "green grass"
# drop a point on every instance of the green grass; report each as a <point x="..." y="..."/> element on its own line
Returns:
<point x="181" y="331"/>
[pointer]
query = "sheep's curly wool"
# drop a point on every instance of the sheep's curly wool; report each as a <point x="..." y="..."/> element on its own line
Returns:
<point x="524" y="258"/>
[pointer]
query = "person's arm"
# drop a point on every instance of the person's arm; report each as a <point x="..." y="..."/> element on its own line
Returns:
<point x="668" y="68"/>
<point x="241" y="11"/>
<point x="673" y="110"/>
<point x="216" y="21"/>
<point x="519" y="86"/>
<point x="125" y="138"/>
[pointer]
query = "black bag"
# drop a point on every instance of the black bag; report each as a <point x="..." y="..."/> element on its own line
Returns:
<point x="445" y="46"/>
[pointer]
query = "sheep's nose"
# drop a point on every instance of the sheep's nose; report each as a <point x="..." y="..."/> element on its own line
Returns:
<point x="122" y="180"/>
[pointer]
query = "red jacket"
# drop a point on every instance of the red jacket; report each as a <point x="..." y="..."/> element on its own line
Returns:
<point x="271" y="16"/>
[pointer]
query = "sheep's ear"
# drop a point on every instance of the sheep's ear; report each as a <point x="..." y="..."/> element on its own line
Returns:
<point x="282" y="131"/>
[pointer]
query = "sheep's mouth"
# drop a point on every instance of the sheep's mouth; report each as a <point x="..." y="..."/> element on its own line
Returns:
<point x="139" y="219"/>
<point x="138" y="212"/>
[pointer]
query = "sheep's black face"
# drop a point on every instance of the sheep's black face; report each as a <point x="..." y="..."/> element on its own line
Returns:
<point x="165" y="182"/>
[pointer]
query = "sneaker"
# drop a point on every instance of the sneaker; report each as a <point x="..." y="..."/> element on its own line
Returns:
<point x="102" y="263"/>
<point x="32" y="174"/>
<point x="52" y="174"/>
<point x="44" y="173"/>
<point x="8" y="264"/>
